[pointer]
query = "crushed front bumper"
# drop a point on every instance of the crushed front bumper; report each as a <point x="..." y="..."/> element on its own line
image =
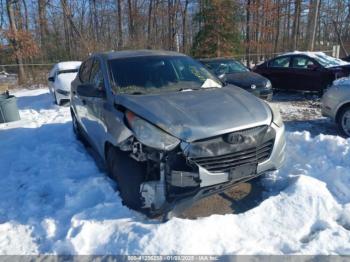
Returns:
<point x="210" y="166"/>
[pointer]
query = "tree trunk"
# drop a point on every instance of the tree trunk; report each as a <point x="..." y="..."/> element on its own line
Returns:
<point x="314" y="24"/>
<point x="247" y="49"/>
<point x="149" y="22"/>
<point x="131" y="22"/>
<point x="296" y="23"/>
<point x="277" y="25"/>
<point x="42" y="23"/>
<point x="14" y="41"/>
<point x="119" y="22"/>
<point x="26" y="15"/>
<point x="184" y="25"/>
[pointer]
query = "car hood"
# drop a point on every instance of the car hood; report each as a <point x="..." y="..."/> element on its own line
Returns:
<point x="194" y="115"/>
<point x="246" y="79"/>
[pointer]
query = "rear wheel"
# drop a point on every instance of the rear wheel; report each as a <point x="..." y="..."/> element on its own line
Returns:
<point x="344" y="121"/>
<point x="128" y="173"/>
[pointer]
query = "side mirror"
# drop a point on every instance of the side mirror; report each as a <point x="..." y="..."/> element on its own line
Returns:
<point x="51" y="79"/>
<point x="89" y="90"/>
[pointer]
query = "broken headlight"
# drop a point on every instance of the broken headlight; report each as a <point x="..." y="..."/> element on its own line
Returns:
<point x="150" y="135"/>
<point x="276" y="115"/>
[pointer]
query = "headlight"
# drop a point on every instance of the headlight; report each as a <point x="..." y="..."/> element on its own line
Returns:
<point x="268" y="84"/>
<point x="276" y="115"/>
<point x="150" y="135"/>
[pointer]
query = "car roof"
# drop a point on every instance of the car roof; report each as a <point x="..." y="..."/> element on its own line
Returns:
<point x="68" y="65"/>
<point x="136" y="53"/>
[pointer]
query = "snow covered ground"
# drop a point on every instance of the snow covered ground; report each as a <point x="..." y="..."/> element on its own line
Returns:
<point x="54" y="198"/>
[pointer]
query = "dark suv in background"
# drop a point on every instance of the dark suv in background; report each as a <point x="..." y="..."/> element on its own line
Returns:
<point x="167" y="129"/>
<point x="235" y="73"/>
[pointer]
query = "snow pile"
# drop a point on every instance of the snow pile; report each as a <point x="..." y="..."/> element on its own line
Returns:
<point x="54" y="199"/>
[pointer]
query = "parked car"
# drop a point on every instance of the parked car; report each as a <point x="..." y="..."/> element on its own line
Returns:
<point x="336" y="104"/>
<point x="307" y="71"/>
<point x="60" y="79"/>
<point x="168" y="131"/>
<point x="235" y="73"/>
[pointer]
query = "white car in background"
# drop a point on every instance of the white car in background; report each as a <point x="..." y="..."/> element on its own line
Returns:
<point x="336" y="104"/>
<point x="60" y="77"/>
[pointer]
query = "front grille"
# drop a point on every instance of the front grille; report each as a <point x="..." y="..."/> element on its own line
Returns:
<point x="224" y="163"/>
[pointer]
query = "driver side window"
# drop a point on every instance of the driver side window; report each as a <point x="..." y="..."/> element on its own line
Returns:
<point x="84" y="72"/>
<point x="96" y="76"/>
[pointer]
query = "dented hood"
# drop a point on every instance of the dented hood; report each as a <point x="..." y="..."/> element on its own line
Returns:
<point x="194" y="115"/>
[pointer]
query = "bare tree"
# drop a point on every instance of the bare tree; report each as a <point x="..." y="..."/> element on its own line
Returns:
<point x="14" y="40"/>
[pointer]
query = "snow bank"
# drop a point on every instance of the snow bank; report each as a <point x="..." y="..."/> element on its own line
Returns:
<point x="56" y="200"/>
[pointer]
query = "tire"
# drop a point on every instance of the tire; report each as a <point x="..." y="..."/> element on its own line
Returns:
<point x="343" y="121"/>
<point x="129" y="174"/>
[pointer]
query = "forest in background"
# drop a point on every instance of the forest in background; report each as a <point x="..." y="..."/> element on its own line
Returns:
<point x="48" y="31"/>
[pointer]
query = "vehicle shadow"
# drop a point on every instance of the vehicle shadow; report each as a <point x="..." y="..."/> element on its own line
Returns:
<point x="314" y="126"/>
<point x="38" y="102"/>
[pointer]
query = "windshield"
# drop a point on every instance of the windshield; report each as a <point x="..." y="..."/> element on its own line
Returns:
<point x="225" y="67"/>
<point x="155" y="74"/>
<point x="328" y="61"/>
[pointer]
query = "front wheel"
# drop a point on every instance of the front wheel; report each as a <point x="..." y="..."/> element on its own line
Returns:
<point x="344" y="121"/>
<point x="128" y="173"/>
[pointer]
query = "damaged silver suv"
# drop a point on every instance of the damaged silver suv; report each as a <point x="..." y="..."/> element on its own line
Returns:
<point x="168" y="130"/>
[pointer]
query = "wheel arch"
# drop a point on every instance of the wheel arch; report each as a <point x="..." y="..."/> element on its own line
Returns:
<point x="340" y="108"/>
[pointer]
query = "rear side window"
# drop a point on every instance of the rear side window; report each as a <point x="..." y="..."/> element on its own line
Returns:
<point x="85" y="69"/>
<point x="280" y="62"/>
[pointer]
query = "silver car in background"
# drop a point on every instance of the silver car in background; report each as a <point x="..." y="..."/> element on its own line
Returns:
<point x="60" y="78"/>
<point x="169" y="131"/>
<point x="336" y="104"/>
